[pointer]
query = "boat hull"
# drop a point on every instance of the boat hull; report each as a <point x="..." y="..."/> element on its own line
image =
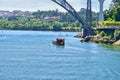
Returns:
<point x="59" y="41"/>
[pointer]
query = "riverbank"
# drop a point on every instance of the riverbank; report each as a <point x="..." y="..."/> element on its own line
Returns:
<point x="97" y="39"/>
<point x="69" y="30"/>
<point x="117" y="43"/>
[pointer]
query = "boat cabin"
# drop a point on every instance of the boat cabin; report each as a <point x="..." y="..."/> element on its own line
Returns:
<point x="59" y="41"/>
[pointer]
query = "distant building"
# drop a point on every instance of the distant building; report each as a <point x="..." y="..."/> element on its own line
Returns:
<point x="15" y="12"/>
<point x="27" y="15"/>
<point x="23" y="13"/>
<point x="5" y="14"/>
<point x="34" y="19"/>
<point x="50" y="19"/>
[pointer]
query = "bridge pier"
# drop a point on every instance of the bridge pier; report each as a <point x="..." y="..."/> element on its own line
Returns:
<point x="88" y="32"/>
<point x="101" y="13"/>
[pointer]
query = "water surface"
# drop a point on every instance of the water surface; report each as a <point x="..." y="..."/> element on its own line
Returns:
<point x="29" y="55"/>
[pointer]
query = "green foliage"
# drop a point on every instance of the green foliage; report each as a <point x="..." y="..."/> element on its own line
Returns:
<point x="117" y="34"/>
<point x="102" y="34"/>
<point x="112" y="14"/>
<point x="108" y="23"/>
<point x="64" y="17"/>
<point x="57" y="27"/>
<point x="38" y="25"/>
<point x="116" y="1"/>
<point x="37" y="21"/>
<point x="109" y="14"/>
<point x="94" y="23"/>
<point x="117" y="14"/>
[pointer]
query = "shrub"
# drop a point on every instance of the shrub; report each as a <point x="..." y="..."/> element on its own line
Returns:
<point x="117" y="34"/>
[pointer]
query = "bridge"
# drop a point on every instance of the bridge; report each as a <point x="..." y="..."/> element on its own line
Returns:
<point x="87" y="30"/>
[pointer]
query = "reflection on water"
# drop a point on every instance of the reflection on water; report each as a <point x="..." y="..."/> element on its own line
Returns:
<point x="30" y="55"/>
<point x="111" y="47"/>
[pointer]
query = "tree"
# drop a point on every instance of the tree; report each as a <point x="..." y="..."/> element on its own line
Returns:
<point x="115" y="3"/>
<point x="57" y="26"/>
<point x="117" y="34"/>
<point x="13" y="17"/>
<point x="118" y="1"/>
<point x="117" y="14"/>
<point x="102" y="34"/>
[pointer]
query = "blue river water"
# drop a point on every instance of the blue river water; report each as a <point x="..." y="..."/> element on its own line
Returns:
<point x="30" y="55"/>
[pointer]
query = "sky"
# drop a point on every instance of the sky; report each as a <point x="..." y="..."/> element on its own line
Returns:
<point x="43" y="5"/>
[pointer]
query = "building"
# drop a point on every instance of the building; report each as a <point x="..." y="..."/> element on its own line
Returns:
<point x="50" y="19"/>
<point x="5" y="13"/>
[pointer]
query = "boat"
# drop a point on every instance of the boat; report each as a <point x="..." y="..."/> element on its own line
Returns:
<point x="59" y="41"/>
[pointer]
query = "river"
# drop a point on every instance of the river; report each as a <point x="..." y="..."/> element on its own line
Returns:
<point x="30" y="55"/>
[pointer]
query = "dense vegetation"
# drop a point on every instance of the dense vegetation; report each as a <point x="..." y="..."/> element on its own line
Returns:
<point x="112" y="16"/>
<point x="37" y="21"/>
<point x="112" y="20"/>
<point x="38" y="25"/>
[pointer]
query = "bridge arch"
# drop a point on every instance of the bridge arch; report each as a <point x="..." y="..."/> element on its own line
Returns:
<point x="87" y="30"/>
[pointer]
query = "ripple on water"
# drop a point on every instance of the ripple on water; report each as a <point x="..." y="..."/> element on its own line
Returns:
<point x="31" y="56"/>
